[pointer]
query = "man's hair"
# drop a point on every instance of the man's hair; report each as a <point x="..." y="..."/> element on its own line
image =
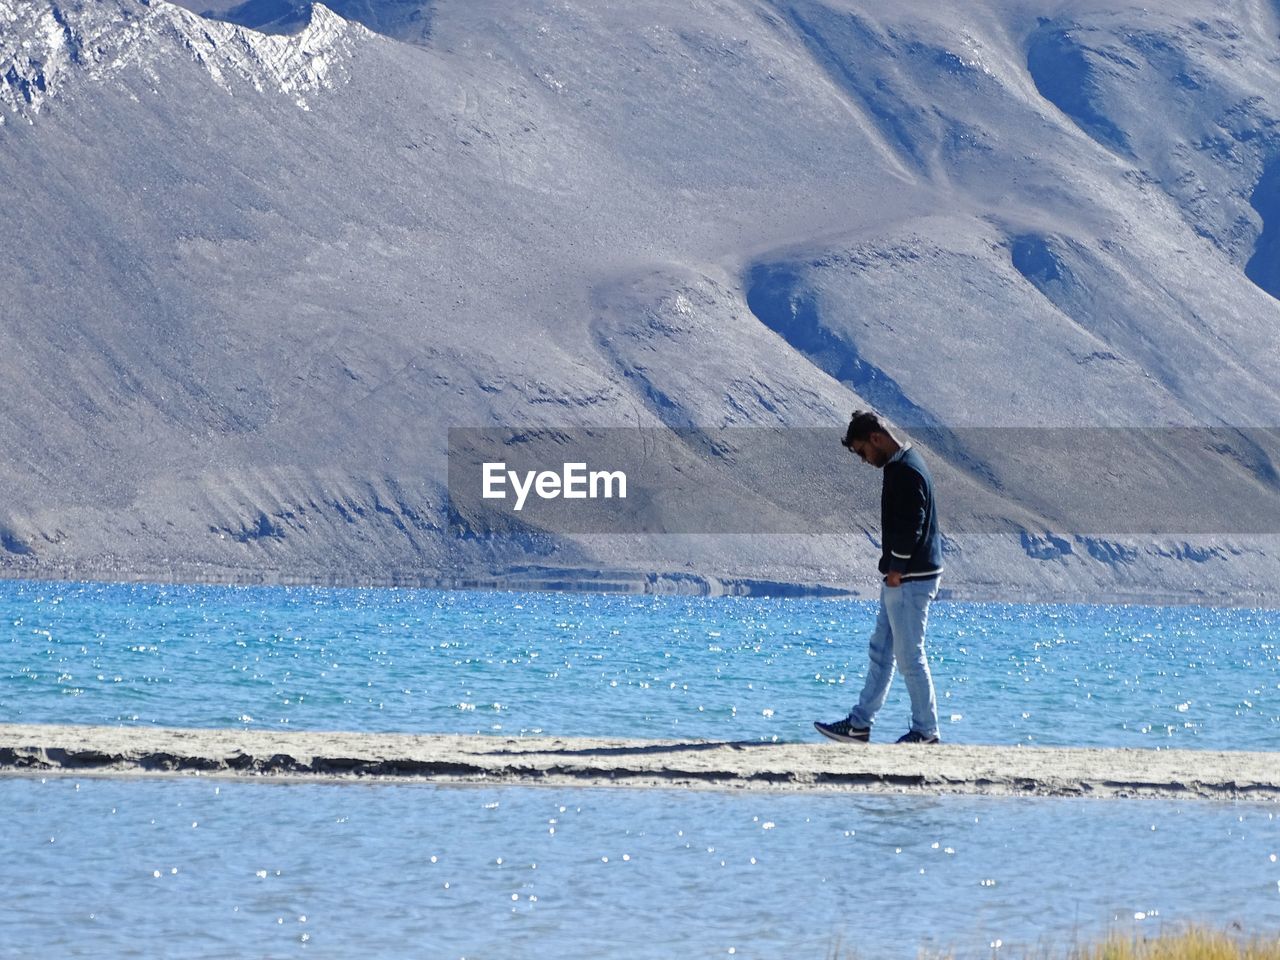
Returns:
<point x="862" y="425"/>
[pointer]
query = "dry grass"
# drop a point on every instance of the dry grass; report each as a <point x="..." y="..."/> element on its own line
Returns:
<point x="1197" y="943"/>
<point x="1193" y="943"/>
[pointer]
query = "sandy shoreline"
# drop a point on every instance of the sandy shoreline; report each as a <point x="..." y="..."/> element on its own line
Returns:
<point x="638" y="583"/>
<point x="886" y="768"/>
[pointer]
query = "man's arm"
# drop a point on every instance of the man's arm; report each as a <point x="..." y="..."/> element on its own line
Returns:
<point x="906" y="522"/>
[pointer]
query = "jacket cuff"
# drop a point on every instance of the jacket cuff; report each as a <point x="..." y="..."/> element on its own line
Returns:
<point x="898" y="564"/>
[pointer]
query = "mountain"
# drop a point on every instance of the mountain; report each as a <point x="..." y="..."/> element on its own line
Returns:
<point x="407" y="20"/>
<point x="253" y="279"/>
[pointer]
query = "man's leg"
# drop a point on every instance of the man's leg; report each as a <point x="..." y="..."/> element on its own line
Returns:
<point x="879" y="669"/>
<point x="908" y="610"/>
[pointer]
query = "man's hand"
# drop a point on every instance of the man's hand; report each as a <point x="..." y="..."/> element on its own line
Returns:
<point x="893" y="578"/>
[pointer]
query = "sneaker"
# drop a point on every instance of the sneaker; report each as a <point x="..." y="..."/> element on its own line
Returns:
<point x="843" y="731"/>
<point x="913" y="736"/>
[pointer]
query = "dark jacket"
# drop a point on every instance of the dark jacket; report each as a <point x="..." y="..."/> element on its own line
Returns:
<point x="909" y="535"/>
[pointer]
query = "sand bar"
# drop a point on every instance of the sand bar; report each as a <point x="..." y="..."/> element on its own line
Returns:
<point x="887" y="768"/>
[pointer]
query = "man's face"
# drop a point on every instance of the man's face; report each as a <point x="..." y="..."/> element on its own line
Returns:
<point x="871" y="451"/>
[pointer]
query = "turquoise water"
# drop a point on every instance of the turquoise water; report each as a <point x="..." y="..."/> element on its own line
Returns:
<point x="194" y="867"/>
<point x="199" y="868"/>
<point x="572" y="664"/>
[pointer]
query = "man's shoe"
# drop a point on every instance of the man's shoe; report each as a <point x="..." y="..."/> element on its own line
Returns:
<point x="843" y="731"/>
<point x="912" y="736"/>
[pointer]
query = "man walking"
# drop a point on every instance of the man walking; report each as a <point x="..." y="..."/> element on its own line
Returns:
<point x="911" y="562"/>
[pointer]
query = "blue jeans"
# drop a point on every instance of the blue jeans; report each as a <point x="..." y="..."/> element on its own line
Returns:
<point x="899" y="636"/>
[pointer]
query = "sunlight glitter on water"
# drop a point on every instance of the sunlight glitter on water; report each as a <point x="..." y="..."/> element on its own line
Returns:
<point x="532" y="664"/>
<point x="371" y="868"/>
<point x="629" y="874"/>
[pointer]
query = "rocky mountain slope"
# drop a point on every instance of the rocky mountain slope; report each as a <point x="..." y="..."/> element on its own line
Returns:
<point x="253" y="278"/>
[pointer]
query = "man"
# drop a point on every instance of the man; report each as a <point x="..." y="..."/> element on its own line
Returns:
<point x="911" y="562"/>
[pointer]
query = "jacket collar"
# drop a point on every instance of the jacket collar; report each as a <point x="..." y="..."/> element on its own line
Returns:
<point x="899" y="455"/>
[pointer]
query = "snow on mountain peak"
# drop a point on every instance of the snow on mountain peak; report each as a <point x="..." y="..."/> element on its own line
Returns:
<point x="46" y="46"/>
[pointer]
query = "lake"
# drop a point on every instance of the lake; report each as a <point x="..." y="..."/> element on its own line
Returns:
<point x="203" y="868"/>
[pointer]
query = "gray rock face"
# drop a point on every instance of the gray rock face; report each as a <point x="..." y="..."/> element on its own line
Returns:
<point x="251" y="279"/>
